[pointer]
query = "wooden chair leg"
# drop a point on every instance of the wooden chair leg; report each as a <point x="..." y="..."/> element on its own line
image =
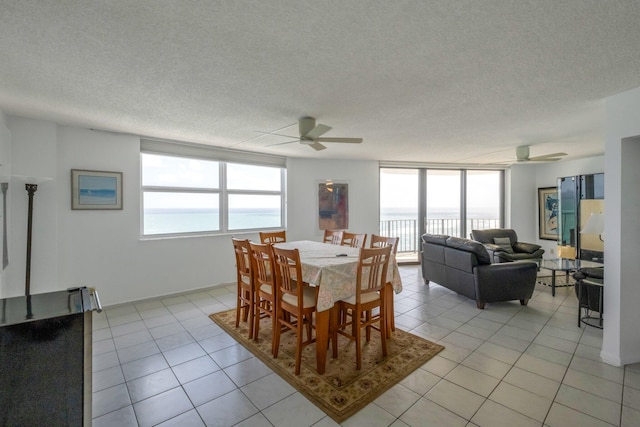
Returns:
<point x="390" y="313"/>
<point x="251" y="309"/>
<point x="383" y="327"/>
<point x="276" y="335"/>
<point x="357" y="334"/>
<point x="238" y="309"/>
<point x="336" y="316"/>
<point x="299" y="332"/>
<point x="274" y="325"/>
<point x="256" y="319"/>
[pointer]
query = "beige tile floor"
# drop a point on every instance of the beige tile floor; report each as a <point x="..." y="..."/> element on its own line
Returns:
<point x="163" y="362"/>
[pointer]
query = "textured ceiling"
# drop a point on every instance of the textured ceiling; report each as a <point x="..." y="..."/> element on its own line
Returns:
<point x="430" y="81"/>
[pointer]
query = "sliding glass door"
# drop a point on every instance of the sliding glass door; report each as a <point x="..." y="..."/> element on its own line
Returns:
<point x="399" y="209"/>
<point x="484" y="200"/>
<point x="437" y="201"/>
<point x="443" y="202"/>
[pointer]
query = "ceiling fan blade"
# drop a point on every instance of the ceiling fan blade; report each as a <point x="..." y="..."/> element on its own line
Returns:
<point x="542" y="159"/>
<point x="547" y="157"/>
<point x="317" y="146"/>
<point x="317" y="131"/>
<point x="278" y="134"/>
<point x="347" y="140"/>
<point x="280" y="143"/>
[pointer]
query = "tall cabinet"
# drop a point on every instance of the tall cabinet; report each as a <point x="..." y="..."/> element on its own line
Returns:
<point x="578" y="197"/>
<point x="45" y="358"/>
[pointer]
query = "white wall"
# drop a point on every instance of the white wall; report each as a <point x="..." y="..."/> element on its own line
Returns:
<point x="303" y="177"/>
<point x="521" y="202"/>
<point x="33" y="154"/>
<point x="104" y="248"/>
<point x="621" y="341"/>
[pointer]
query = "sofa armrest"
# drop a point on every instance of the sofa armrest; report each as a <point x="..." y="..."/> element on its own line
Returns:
<point x="525" y="247"/>
<point x="505" y="281"/>
<point x="497" y="253"/>
<point x="588" y="273"/>
<point x="493" y="248"/>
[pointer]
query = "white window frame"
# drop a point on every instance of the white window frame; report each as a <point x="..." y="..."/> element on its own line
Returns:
<point x="222" y="157"/>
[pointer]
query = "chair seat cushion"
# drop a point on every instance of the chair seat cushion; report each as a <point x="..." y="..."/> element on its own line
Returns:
<point x="267" y="289"/>
<point x="308" y="298"/>
<point x="365" y="298"/>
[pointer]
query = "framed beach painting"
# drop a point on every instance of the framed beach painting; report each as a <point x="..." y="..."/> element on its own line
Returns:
<point x="96" y="189"/>
<point x="548" y="213"/>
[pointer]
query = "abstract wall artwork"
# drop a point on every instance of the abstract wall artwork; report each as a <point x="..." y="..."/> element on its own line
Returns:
<point x="548" y="213"/>
<point x="333" y="206"/>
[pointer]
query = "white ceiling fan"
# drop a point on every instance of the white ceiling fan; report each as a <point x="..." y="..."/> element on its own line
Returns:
<point x="311" y="135"/>
<point x="522" y="156"/>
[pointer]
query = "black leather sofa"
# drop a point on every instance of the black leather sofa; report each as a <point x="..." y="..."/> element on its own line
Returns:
<point x="513" y="250"/>
<point x="464" y="266"/>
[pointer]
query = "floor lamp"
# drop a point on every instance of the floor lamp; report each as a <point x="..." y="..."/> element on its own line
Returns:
<point x="31" y="191"/>
<point x="31" y="185"/>
<point x="5" y="246"/>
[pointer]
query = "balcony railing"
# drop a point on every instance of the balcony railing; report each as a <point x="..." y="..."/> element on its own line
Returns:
<point x="407" y="229"/>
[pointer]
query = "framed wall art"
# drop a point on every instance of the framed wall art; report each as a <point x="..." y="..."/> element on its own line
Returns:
<point x="548" y="213"/>
<point x="333" y="206"/>
<point x="96" y="189"/>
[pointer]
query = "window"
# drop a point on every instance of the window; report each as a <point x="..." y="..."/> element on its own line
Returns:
<point x="438" y="201"/>
<point x="255" y="196"/>
<point x="182" y="195"/>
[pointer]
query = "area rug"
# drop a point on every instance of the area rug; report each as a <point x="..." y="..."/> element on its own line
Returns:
<point x="342" y="390"/>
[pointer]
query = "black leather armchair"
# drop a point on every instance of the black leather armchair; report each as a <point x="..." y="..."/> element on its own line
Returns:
<point x="588" y="287"/>
<point x="502" y="250"/>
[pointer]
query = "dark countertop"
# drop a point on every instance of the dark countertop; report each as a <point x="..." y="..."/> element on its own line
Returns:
<point x="48" y="305"/>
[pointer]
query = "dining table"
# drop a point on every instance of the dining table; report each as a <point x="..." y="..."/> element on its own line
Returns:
<point x="333" y="269"/>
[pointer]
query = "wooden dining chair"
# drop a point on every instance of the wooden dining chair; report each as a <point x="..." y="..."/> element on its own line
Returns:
<point x="265" y="299"/>
<point x="366" y="308"/>
<point x="333" y="237"/>
<point x="273" y="236"/>
<point x="296" y="301"/>
<point x="246" y="284"/>
<point x="354" y="240"/>
<point x="378" y="241"/>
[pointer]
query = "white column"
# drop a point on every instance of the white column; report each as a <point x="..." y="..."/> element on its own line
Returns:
<point x="621" y="342"/>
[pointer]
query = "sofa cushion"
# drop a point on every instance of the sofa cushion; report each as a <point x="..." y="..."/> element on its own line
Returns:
<point x="470" y="246"/>
<point x="438" y="239"/>
<point x="487" y="235"/>
<point x="504" y="243"/>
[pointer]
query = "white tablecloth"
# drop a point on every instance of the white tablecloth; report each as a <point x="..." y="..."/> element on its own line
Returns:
<point x="334" y="275"/>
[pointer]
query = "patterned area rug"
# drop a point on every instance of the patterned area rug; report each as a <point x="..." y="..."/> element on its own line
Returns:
<point x="342" y="390"/>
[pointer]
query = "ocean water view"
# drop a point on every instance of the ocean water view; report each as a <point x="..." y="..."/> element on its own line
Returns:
<point x="400" y="222"/>
<point x="164" y="221"/>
